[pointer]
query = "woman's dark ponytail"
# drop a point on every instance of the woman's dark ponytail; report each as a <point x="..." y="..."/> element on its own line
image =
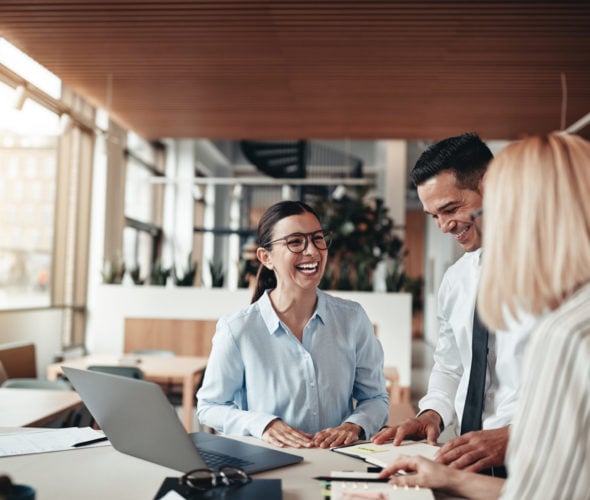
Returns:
<point x="265" y="279"/>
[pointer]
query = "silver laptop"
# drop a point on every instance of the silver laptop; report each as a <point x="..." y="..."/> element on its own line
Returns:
<point x="139" y="420"/>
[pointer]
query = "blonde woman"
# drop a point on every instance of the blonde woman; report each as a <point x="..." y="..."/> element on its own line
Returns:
<point x="536" y="260"/>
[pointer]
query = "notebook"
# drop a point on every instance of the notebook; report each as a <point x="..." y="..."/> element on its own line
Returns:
<point x="383" y="454"/>
<point x="139" y="420"/>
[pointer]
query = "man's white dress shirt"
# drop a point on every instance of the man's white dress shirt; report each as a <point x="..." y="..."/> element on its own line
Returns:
<point x="447" y="387"/>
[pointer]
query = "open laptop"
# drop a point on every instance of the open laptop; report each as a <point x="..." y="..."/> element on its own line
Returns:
<point x="139" y="420"/>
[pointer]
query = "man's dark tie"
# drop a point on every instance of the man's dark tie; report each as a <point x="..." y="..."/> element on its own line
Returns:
<point x="477" y="378"/>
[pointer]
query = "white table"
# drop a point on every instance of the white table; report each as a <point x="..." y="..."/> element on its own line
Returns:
<point x="34" y="407"/>
<point x="102" y="472"/>
<point x="186" y="370"/>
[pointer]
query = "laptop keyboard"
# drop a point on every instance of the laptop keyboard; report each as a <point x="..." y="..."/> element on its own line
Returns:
<point x="215" y="460"/>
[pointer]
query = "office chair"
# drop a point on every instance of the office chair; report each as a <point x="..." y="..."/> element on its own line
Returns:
<point x="122" y="371"/>
<point x="3" y="375"/>
<point x="173" y="391"/>
<point x="154" y="352"/>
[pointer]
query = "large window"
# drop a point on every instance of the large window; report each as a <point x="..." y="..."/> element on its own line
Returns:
<point x="142" y="235"/>
<point x="46" y="147"/>
<point x="28" y="169"/>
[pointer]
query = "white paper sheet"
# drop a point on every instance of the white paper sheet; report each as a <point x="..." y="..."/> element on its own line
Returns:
<point x="383" y="454"/>
<point x="30" y="441"/>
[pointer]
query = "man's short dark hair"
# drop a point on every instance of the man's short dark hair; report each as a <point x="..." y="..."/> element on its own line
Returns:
<point x="466" y="155"/>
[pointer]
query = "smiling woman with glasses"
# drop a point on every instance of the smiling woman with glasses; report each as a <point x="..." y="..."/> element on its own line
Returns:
<point x="297" y="367"/>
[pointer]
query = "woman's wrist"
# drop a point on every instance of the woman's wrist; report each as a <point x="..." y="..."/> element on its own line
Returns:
<point x="349" y="426"/>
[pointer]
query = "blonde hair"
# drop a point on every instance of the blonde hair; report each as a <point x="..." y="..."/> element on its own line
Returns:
<point x="536" y="235"/>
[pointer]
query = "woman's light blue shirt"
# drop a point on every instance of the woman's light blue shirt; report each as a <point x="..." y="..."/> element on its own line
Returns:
<point x="259" y="371"/>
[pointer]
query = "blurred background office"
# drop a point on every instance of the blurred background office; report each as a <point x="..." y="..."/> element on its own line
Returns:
<point x="140" y="141"/>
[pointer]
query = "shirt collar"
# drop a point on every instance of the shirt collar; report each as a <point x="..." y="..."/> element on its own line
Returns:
<point x="321" y="310"/>
<point x="268" y="314"/>
<point x="272" y="321"/>
<point x="476" y="257"/>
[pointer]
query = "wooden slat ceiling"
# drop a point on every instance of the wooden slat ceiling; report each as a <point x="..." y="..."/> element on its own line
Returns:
<point x="315" y="69"/>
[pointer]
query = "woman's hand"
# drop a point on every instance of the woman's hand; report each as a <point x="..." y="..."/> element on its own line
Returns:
<point x="417" y="471"/>
<point x="424" y="473"/>
<point x="281" y="434"/>
<point x="345" y="434"/>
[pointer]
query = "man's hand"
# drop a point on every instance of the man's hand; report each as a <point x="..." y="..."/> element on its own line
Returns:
<point x="281" y="434"/>
<point x="345" y="434"/>
<point x="426" y="426"/>
<point x="475" y="451"/>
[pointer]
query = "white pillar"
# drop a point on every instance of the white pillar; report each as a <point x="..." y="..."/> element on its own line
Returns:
<point x="179" y="215"/>
<point x="233" y="251"/>
<point x="392" y="179"/>
<point x="208" y="237"/>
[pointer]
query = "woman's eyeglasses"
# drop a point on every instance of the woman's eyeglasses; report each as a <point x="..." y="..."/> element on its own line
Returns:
<point x="225" y="477"/>
<point x="297" y="242"/>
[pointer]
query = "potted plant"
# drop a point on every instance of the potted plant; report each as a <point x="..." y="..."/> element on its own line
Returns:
<point x="217" y="274"/>
<point x="188" y="278"/>
<point x="363" y="236"/>
<point x="159" y="275"/>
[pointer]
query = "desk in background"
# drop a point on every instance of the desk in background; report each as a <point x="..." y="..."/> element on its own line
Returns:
<point x="186" y="370"/>
<point x="34" y="407"/>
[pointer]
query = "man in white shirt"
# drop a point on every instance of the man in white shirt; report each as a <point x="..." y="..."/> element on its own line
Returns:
<point x="449" y="178"/>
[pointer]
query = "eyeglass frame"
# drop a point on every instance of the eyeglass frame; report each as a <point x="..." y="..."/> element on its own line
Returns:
<point x="307" y="236"/>
<point x="216" y="476"/>
<point x="475" y="215"/>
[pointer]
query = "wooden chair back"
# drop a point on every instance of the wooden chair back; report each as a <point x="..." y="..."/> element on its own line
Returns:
<point x="19" y="360"/>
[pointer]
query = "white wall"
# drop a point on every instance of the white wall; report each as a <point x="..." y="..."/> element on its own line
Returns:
<point x="391" y="313"/>
<point x="392" y="179"/>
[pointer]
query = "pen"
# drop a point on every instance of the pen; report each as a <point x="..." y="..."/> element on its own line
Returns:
<point x="353" y="479"/>
<point x="92" y="441"/>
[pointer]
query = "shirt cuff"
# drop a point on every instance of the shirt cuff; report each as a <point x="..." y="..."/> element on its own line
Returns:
<point x="441" y="425"/>
<point x="259" y="423"/>
<point x="446" y="413"/>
